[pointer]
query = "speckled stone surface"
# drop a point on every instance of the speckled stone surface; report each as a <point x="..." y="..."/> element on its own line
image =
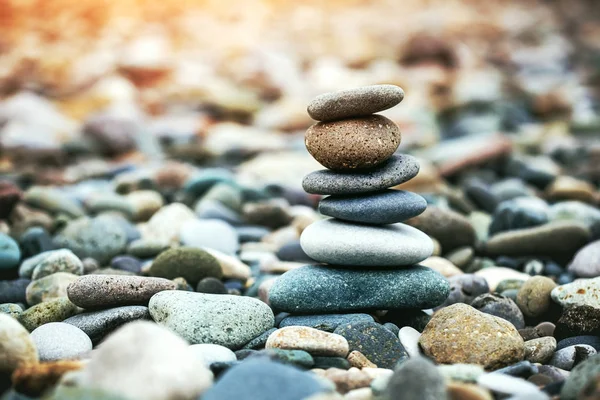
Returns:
<point x="337" y="242"/>
<point x="354" y="102"/>
<point x="355" y="143"/>
<point x="583" y="292"/>
<point x="94" y="291"/>
<point x="386" y="207"/>
<point x="54" y="310"/>
<point x="373" y="340"/>
<point x="59" y="341"/>
<point x="398" y="169"/>
<point x="98" y="324"/>
<point x="315" y="289"/>
<point x="324" y="322"/>
<point x="231" y="321"/>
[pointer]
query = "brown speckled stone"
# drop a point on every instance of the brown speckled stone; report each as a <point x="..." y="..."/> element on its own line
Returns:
<point x="461" y="334"/>
<point x="354" y="102"/>
<point x="356" y="143"/>
<point x="94" y="291"/>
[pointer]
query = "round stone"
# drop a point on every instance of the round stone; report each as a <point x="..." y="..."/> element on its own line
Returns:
<point x="519" y="213"/>
<point x="59" y="341"/>
<point x="211" y="285"/>
<point x="577" y="321"/>
<point x="355" y="102"/>
<point x="580" y="377"/>
<point x="342" y="243"/>
<point x="58" y="261"/>
<point x="586" y="263"/>
<point x="465" y="288"/>
<point x="103" y="291"/>
<point x="211" y="233"/>
<point x="100" y="238"/>
<point x="315" y="289"/>
<point x="10" y="254"/>
<point x="16" y="346"/>
<point x="143" y="360"/>
<point x="450" y="338"/>
<point x="500" y="306"/>
<point x="377" y="343"/>
<point x="582" y="292"/>
<point x="266" y="380"/>
<point x="186" y="262"/>
<point x="417" y="379"/>
<point x="353" y="144"/>
<point x="98" y="324"/>
<point x="386" y="207"/>
<point x="230" y="321"/>
<point x="311" y="340"/>
<point x="396" y="170"/>
<point x="211" y="353"/>
<point x="126" y="263"/>
<point x="450" y="228"/>
<point x="54" y="310"/>
<point x="540" y="350"/>
<point x="49" y="287"/>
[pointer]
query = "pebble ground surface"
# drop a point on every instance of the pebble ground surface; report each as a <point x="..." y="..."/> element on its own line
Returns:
<point x="162" y="238"/>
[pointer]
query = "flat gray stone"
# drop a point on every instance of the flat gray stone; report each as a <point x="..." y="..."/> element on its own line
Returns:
<point x="59" y="341"/>
<point x="355" y="102"/>
<point x="324" y="322"/>
<point x="227" y="320"/>
<point x="398" y="169"/>
<point x="98" y="324"/>
<point x="103" y="291"/>
<point x="386" y="207"/>
<point x="337" y="242"/>
<point x="317" y="289"/>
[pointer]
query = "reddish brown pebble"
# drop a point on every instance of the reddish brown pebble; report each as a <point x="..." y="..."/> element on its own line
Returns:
<point x="351" y="144"/>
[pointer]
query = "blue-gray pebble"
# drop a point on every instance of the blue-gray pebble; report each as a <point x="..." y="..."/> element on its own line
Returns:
<point x="386" y="207"/>
<point x="315" y="289"/>
<point x="265" y="380"/>
<point x="398" y="169"/>
<point x="10" y="254"/>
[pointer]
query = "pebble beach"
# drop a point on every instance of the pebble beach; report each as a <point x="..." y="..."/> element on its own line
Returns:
<point x="395" y="213"/>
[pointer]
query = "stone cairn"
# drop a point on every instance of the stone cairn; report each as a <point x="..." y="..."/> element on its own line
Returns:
<point x="369" y="257"/>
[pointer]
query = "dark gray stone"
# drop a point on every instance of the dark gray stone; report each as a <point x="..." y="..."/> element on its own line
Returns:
<point x="398" y="169"/>
<point x="386" y="207"/>
<point x="14" y="291"/>
<point x="98" y="324"/>
<point x="314" y="289"/>
<point x="324" y="322"/>
<point x="260" y="341"/>
<point x="500" y="306"/>
<point x="376" y="342"/>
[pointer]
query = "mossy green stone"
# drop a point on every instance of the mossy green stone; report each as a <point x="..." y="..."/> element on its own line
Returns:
<point x="55" y="310"/>
<point x="189" y="263"/>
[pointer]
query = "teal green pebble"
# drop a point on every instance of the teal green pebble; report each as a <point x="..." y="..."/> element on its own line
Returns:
<point x="10" y="254"/>
<point x="315" y="289"/>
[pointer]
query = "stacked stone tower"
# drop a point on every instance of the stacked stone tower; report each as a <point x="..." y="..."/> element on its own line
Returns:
<point x="369" y="257"/>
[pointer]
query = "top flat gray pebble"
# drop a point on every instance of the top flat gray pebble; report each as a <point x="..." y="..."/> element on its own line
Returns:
<point x="356" y="102"/>
<point x="398" y="169"/>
